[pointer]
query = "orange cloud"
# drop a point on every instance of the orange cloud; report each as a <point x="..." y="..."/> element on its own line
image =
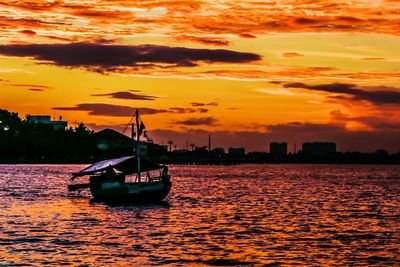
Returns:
<point x="292" y="54"/>
<point x="199" y="19"/>
<point x="202" y="40"/>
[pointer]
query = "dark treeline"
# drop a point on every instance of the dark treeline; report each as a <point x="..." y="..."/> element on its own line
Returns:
<point x="22" y="141"/>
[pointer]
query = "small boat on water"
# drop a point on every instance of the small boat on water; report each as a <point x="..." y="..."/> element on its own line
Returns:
<point x="108" y="178"/>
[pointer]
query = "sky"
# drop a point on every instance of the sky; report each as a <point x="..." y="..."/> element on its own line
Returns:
<point x="246" y="72"/>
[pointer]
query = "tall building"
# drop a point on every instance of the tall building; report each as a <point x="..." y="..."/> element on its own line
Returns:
<point x="45" y="119"/>
<point x="318" y="148"/>
<point x="278" y="148"/>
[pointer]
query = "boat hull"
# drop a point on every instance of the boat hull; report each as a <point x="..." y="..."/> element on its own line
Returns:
<point x="130" y="192"/>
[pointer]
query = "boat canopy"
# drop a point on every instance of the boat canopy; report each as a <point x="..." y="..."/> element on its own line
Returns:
<point x="127" y="165"/>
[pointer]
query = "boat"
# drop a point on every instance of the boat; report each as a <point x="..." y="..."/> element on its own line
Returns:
<point x="108" y="178"/>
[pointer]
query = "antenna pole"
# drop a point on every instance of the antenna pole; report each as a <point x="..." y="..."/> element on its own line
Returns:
<point x="137" y="144"/>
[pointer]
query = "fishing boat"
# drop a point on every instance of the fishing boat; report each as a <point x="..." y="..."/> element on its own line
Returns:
<point x="108" y="178"/>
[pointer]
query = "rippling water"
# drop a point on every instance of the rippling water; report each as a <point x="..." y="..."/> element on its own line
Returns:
<point x="268" y="215"/>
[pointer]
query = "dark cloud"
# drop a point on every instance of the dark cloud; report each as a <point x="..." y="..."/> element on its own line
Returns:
<point x="199" y="104"/>
<point x="104" y="41"/>
<point x="198" y="121"/>
<point x="57" y="38"/>
<point x="28" y="32"/>
<point x="102" y="109"/>
<point x="306" y="21"/>
<point x="187" y="110"/>
<point x="330" y="22"/>
<point x="374" y="94"/>
<point x="111" y="57"/>
<point x="128" y="95"/>
<point x="212" y="104"/>
<point x="246" y="35"/>
<point x="378" y="123"/>
<point x="383" y="122"/>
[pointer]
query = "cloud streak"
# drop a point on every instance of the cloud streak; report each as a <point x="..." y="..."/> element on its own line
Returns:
<point x="206" y="121"/>
<point x="203" y="40"/>
<point x="101" y="109"/>
<point x="200" y="104"/>
<point x="377" y="95"/>
<point x="128" y="95"/>
<point x="111" y="110"/>
<point x="187" y="110"/>
<point x="111" y="57"/>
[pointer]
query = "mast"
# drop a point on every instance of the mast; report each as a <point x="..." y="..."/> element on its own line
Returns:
<point x="137" y="144"/>
<point x="132" y="132"/>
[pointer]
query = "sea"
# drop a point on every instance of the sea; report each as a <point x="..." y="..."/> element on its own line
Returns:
<point x="255" y="215"/>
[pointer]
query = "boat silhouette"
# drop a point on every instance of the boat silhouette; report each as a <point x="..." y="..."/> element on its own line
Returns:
<point x="107" y="180"/>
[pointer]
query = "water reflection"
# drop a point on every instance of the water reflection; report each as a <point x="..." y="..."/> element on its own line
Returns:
<point x="143" y="205"/>
<point x="257" y="215"/>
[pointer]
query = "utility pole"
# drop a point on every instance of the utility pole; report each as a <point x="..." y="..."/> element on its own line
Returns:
<point x="137" y="144"/>
<point x="170" y="145"/>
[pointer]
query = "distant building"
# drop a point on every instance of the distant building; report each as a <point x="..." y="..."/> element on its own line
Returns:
<point x="45" y="119"/>
<point x="276" y="148"/>
<point x="318" y="148"/>
<point x="218" y="151"/>
<point x="201" y="149"/>
<point x="110" y="139"/>
<point x="236" y="152"/>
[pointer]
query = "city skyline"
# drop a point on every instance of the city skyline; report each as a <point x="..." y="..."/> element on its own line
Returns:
<point x="270" y="146"/>
<point x="248" y="73"/>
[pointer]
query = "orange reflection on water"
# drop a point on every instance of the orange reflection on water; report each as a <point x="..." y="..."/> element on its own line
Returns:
<point x="215" y="215"/>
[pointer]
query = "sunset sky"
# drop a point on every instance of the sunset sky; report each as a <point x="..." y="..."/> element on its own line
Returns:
<point x="248" y="72"/>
